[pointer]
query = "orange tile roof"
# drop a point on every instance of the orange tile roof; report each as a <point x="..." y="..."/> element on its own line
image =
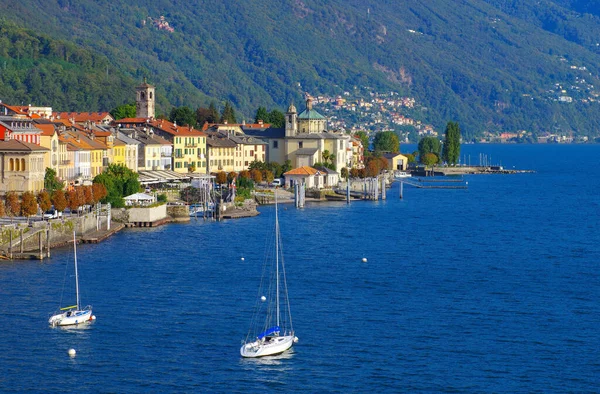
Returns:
<point x="20" y="146"/>
<point x="16" y="109"/>
<point x="47" y="129"/>
<point x="175" y="130"/>
<point x="82" y="116"/>
<point x="207" y="125"/>
<point x="131" y="120"/>
<point x="65" y="122"/>
<point x="305" y="170"/>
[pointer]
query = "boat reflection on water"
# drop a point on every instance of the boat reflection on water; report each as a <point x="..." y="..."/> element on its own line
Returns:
<point x="77" y="327"/>
<point x="270" y="369"/>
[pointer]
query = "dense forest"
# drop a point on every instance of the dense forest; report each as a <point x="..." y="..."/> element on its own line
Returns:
<point x="491" y="65"/>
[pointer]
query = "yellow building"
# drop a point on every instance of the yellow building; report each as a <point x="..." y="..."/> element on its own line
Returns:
<point x="189" y="146"/>
<point x="221" y="153"/>
<point x="119" y="152"/>
<point x="49" y="140"/>
<point x="396" y="161"/>
<point x="21" y="167"/>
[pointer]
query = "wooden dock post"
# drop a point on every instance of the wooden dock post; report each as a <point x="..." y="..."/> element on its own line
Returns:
<point x="48" y="242"/>
<point x="10" y="243"/>
<point x="348" y="190"/>
<point x="41" y="245"/>
<point x="21" y="249"/>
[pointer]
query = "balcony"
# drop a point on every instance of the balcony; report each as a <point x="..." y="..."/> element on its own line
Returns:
<point x="188" y="145"/>
<point x="65" y="162"/>
<point x="165" y="155"/>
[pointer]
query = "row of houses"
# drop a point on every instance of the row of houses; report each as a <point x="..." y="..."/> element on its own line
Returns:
<point x="79" y="146"/>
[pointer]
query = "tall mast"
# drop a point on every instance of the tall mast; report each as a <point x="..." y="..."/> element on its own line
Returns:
<point x="76" y="275"/>
<point x="277" y="255"/>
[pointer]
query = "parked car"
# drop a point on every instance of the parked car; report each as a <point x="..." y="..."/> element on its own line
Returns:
<point x="277" y="182"/>
<point x="52" y="214"/>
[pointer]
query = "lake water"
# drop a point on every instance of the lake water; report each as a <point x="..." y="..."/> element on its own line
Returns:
<point x="490" y="289"/>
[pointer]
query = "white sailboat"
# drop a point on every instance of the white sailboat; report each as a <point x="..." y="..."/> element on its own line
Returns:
<point x="72" y="315"/>
<point x="271" y="331"/>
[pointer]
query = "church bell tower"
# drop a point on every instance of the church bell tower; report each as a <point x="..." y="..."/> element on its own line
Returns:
<point x="291" y="121"/>
<point x="144" y="101"/>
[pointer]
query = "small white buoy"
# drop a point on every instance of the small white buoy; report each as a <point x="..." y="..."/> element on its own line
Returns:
<point x="364" y="259"/>
<point x="72" y="352"/>
<point x="263" y="298"/>
<point x="93" y="317"/>
<point x="295" y="339"/>
<point x="242" y="259"/>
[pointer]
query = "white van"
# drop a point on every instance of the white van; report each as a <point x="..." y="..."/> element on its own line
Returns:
<point x="277" y="182"/>
<point x="52" y="214"/>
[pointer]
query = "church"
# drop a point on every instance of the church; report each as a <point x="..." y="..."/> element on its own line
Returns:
<point x="305" y="140"/>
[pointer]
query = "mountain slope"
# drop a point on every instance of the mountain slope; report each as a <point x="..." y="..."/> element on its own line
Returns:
<point x="488" y="64"/>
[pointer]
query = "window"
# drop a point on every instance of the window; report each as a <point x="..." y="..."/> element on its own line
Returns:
<point x="275" y="144"/>
<point x="300" y="145"/>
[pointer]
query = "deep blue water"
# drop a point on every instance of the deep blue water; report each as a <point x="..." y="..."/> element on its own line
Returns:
<point x="490" y="289"/>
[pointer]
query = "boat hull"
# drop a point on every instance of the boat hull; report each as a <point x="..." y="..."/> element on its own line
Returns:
<point x="71" y="318"/>
<point x="276" y="345"/>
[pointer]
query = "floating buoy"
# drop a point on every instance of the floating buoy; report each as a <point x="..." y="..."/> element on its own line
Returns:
<point x="263" y="298"/>
<point x="364" y="259"/>
<point x="72" y="352"/>
<point x="295" y="339"/>
<point x="242" y="259"/>
<point x="93" y="317"/>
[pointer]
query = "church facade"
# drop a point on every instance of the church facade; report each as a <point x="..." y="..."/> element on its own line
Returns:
<point x="305" y="140"/>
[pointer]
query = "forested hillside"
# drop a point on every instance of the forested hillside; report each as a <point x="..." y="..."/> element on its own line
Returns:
<point x="38" y="70"/>
<point x="491" y="65"/>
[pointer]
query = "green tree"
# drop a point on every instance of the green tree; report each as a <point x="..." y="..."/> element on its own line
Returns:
<point x="451" y="148"/>
<point x="213" y="116"/>
<point x="51" y="183"/>
<point x="429" y="145"/>
<point x="183" y="116"/>
<point x="276" y="118"/>
<point x="261" y="114"/>
<point x="429" y="159"/>
<point x="287" y="166"/>
<point x="124" y="111"/>
<point x="386" y="141"/>
<point x="119" y="182"/>
<point x="268" y="176"/>
<point x="207" y="115"/>
<point x="275" y="168"/>
<point x="228" y="114"/>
